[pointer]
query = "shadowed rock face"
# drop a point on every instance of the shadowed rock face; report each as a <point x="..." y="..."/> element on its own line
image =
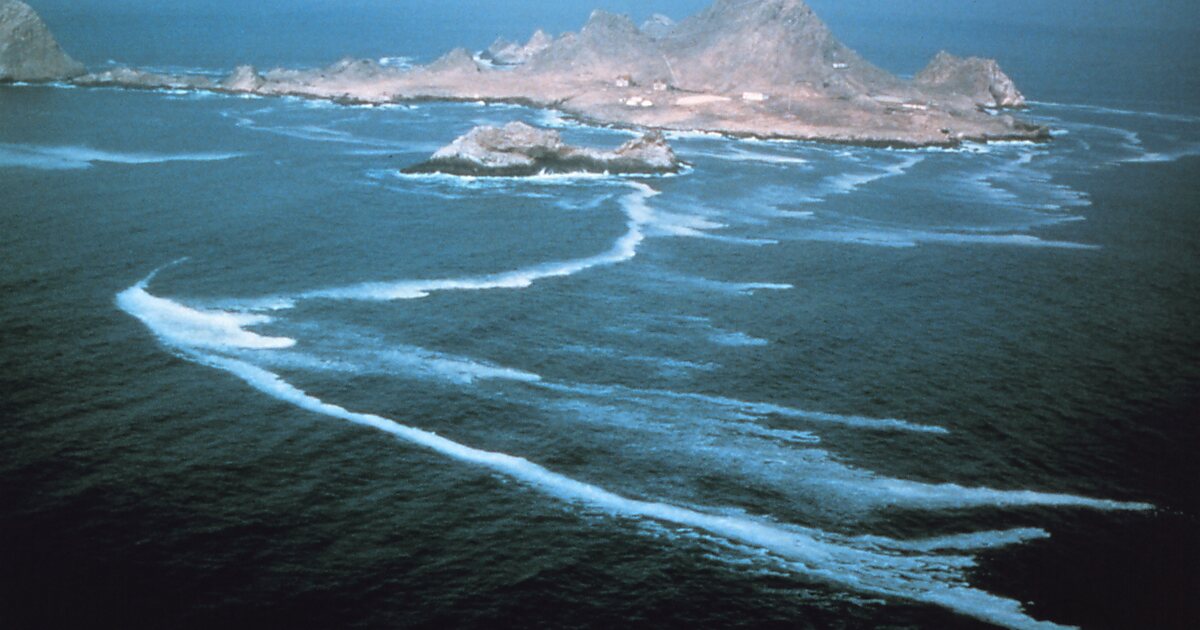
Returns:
<point x="28" y="52"/>
<point x="521" y="150"/>
<point x="982" y="80"/>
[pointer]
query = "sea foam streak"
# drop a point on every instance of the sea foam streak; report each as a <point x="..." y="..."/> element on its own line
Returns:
<point x="75" y="157"/>
<point x="879" y="566"/>
<point x="180" y="326"/>
<point x="625" y="248"/>
<point x="848" y="183"/>
<point x="758" y="409"/>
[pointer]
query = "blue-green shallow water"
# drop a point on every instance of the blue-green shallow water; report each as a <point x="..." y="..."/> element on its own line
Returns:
<point x="805" y="341"/>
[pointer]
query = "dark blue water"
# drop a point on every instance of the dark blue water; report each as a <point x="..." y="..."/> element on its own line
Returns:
<point x="798" y="386"/>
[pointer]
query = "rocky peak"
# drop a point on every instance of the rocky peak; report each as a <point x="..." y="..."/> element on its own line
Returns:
<point x="509" y="53"/>
<point x="540" y="39"/>
<point x="608" y="46"/>
<point x="458" y="60"/>
<point x="28" y="51"/>
<point x="243" y="79"/>
<point x="602" y="24"/>
<point x="357" y="69"/>
<point x="763" y="45"/>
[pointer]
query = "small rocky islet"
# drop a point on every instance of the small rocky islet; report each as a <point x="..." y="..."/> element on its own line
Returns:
<point x="521" y="150"/>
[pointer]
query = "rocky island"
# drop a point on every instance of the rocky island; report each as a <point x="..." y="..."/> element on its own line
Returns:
<point x="761" y="68"/>
<point x="520" y="150"/>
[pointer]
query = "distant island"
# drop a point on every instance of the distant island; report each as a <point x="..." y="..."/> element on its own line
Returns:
<point x="760" y="68"/>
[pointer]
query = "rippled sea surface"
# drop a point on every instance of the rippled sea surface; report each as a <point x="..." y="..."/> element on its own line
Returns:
<point x="253" y="375"/>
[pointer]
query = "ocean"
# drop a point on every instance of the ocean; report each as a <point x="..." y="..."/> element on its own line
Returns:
<point x="254" y="376"/>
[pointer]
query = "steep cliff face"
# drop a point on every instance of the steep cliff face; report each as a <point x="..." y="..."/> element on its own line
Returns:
<point x="981" y="80"/>
<point x="28" y="52"/>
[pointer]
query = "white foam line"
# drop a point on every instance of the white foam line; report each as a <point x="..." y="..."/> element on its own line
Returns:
<point x="910" y="238"/>
<point x="874" y="565"/>
<point x="741" y="155"/>
<point x="407" y="360"/>
<point x="317" y="134"/>
<point x="625" y="248"/>
<point x="931" y="579"/>
<point x="179" y="325"/>
<point x="950" y="495"/>
<point x="759" y="409"/>
<point x="1021" y="240"/>
<point x="75" y="157"/>
<point x="1153" y="157"/>
<point x="1119" y="112"/>
<point x="961" y="542"/>
<point x="848" y="183"/>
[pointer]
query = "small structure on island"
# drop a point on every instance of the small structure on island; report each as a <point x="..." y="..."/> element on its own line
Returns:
<point x="623" y="81"/>
<point x="840" y="65"/>
<point x="754" y="97"/>
<point x="661" y="85"/>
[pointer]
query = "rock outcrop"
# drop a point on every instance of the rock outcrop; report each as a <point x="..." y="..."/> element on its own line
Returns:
<point x="521" y="150"/>
<point x="505" y="53"/>
<point x="141" y="79"/>
<point x="458" y="61"/>
<point x="979" y="79"/>
<point x="28" y="52"/>
<point x="243" y="79"/>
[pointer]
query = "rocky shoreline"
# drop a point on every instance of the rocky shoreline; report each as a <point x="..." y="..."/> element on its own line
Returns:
<point x="766" y="69"/>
